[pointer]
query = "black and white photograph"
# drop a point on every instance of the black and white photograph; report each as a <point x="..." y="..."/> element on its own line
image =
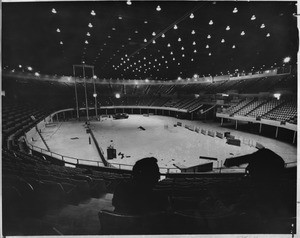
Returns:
<point x="159" y="118"/>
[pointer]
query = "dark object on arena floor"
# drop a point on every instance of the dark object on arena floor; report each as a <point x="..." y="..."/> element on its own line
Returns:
<point x="263" y="162"/>
<point x="74" y="138"/>
<point x="142" y="128"/>
<point x="120" y="116"/>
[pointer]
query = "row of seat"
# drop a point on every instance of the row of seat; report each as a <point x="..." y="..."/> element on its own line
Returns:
<point x="191" y="222"/>
<point x="280" y="110"/>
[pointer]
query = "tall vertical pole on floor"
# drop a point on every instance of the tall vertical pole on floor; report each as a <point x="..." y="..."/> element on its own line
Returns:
<point x="276" y="133"/>
<point x="236" y="124"/>
<point x="294" y="137"/>
<point x="76" y="97"/>
<point x="86" y="101"/>
<point x="260" y="126"/>
<point x="222" y="121"/>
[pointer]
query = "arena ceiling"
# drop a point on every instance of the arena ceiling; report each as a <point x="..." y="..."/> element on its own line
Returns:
<point x="143" y="39"/>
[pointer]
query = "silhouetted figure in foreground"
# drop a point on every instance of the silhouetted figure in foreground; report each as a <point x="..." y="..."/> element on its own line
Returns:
<point x="268" y="199"/>
<point x="137" y="196"/>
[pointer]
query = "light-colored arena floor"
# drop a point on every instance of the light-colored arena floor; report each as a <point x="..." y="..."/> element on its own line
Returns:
<point x="174" y="145"/>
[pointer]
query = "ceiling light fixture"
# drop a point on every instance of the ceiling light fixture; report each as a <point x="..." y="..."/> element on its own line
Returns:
<point x="158" y="8"/>
<point x="192" y="16"/>
<point x="253" y="18"/>
<point x="175" y="27"/>
<point x="262" y="26"/>
<point x="211" y="22"/>
<point x="208" y="37"/>
<point x="235" y="10"/>
<point x="93" y="13"/>
<point x="287" y="59"/>
<point x="193" y="32"/>
<point x="227" y="28"/>
<point x="54" y="11"/>
<point x="128" y="2"/>
<point x="90" y="25"/>
<point x="163" y="35"/>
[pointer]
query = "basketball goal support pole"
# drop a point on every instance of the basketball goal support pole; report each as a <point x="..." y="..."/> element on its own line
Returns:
<point x="76" y="97"/>
<point x="85" y="93"/>
<point x="84" y="67"/>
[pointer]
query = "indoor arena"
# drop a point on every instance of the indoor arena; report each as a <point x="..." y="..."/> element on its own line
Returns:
<point x="149" y="118"/>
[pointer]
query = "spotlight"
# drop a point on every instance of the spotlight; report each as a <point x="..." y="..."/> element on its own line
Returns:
<point x="286" y="59"/>
<point x="277" y="95"/>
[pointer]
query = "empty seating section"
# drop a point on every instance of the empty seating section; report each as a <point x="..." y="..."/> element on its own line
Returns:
<point x="145" y="101"/>
<point x="250" y="107"/>
<point x="265" y="108"/>
<point x="166" y="89"/>
<point x="286" y="82"/>
<point x="129" y="89"/>
<point x="159" y="102"/>
<point x="285" y="112"/>
<point x="264" y="84"/>
<point x="235" y="108"/>
<point x="17" y="118"/>
<point x="43" y="185"/>
<point x="153" y="89"/>
<point x="33" y="185"/>
<point x="141" y="89"/>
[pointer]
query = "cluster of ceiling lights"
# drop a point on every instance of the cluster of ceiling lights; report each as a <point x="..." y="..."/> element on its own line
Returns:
<point x="175" y="27"/>
<point x="57" y="30"/>
<point x="127" y="64"/>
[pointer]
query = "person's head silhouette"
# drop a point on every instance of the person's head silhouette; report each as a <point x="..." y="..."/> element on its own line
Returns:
<point x="145" y="172"/>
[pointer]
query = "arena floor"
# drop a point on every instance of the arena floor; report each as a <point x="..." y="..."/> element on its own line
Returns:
<point x="161" y="139"/>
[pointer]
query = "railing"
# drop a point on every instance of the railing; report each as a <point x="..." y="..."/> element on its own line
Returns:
<point x="163" y="170"/>
<point x="76" y="161"/>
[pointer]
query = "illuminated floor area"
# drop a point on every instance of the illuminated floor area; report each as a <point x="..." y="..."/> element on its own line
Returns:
<point x="171" y="145"/>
